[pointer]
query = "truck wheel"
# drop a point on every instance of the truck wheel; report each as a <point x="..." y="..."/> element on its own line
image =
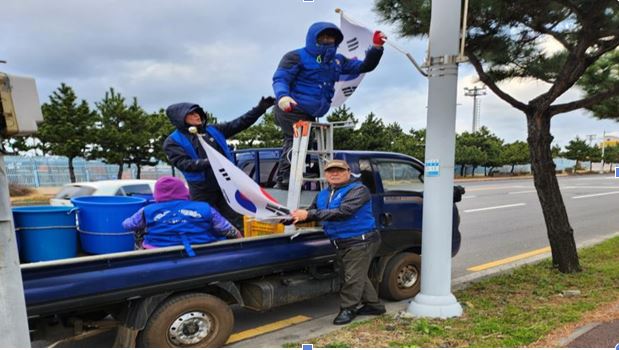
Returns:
<point x="401" y="279"/>
<point x="188" y="320"/>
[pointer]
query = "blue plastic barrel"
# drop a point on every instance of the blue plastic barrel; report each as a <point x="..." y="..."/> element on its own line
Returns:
<point x="100" y="222"/>
<point x="45" y="232"/>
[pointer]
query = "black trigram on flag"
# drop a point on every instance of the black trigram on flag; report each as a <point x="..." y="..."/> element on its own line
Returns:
<point x="347" y="91"/>
<point x="224" y="174"/>
<point x="352" y="44"/>
<point x="277" y="209"/>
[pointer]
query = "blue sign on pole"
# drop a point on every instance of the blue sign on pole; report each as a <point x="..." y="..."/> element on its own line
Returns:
<point x="307" y="346"/>
<point x="617" y="171"/>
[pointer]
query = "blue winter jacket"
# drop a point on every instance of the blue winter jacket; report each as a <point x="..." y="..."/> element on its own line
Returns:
<point x="359" y="221"/>
<point x="309" y="74"/>
<point x="179" y="222"/>
<point x="195" y="165"/>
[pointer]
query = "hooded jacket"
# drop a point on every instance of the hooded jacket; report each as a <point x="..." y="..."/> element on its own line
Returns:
<point x="179" y="145"/>
<point x="173" y="219"/>
<point x="309" y="74"/>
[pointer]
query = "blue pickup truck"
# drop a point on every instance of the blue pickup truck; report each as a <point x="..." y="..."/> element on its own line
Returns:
<point x="163" y="298"/>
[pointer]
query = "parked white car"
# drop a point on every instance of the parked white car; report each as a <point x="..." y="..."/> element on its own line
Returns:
<point x="141" y="188"/>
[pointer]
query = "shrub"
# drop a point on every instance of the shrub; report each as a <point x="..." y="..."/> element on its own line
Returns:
<point x="16" y="190"/>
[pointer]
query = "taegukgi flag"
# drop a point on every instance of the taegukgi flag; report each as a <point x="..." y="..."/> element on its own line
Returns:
<point x="357" y="40"/>
<point x="241" y="192"/>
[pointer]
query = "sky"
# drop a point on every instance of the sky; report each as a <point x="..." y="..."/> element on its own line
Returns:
<point x="222" y="54"/>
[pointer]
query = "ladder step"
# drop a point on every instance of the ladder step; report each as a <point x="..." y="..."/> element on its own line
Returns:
<point x="314" y="179"/>
<point x="319" y="152"/>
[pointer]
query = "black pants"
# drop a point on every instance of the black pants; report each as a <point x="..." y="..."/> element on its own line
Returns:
<point x="216" y="200"/>
<point x="286" y="120"/>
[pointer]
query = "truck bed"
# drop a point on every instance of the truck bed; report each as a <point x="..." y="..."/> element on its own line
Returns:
<point x="106" y="279"/>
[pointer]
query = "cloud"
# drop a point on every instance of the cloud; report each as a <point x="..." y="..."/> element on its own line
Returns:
<point x="222" y="54"/>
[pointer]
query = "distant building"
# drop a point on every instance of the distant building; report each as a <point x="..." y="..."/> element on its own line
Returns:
<point x="610" y="140"/>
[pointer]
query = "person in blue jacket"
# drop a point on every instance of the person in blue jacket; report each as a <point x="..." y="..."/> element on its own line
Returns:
<point x="345" y="211"/>
<point x="186" y="154"/>
<point x="174" y="220"/>
<point x="304" y="81"/>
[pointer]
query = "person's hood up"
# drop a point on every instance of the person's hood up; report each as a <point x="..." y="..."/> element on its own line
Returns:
<point x="178" y="111"/>
<point x="312" y="36"/>
<point x="169" y="188"/>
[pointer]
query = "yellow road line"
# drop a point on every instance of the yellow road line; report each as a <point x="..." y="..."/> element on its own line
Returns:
<point x="271" y="327"/>
<point x="508" y="260"/>
<point x="486" y="188"/>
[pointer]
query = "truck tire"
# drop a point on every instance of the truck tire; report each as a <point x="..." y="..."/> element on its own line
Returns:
<point x="188" y="320"/>
<point x="401" y="279"/>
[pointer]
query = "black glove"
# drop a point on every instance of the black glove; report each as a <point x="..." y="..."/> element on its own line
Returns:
<point x="286" y="222"/>
<point x="266" y="103"/>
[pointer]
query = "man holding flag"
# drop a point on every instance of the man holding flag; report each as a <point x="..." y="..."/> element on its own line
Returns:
<point x="304" y="82"/>
<point x="185" y="152"/>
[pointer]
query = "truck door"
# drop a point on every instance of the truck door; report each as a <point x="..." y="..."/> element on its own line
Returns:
<point x="400" y="198"/>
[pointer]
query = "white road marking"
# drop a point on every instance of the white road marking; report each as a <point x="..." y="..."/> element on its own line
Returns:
<point x="595" y="195"/>
<point x="467" y="197"/>
<point x="497" y="207"/>
<point x="519" y="192"/>
<point x="589" y="187"/>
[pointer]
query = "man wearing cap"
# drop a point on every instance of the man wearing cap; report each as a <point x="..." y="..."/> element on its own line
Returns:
<point x="345" y="210"/>
<point x="186" y="154"/>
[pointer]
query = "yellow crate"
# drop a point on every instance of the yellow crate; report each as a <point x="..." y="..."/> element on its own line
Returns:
<point x="307" y="224"/>
<point x="253" y="228"/>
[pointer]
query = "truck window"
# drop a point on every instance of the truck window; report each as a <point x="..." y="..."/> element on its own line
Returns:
<point x="367" y="176"/>
<point x="268" y="171"/>
<point x="400" y="176"/>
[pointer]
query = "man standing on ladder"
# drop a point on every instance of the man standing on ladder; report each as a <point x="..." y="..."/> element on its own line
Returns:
<point x="304" y="82"/>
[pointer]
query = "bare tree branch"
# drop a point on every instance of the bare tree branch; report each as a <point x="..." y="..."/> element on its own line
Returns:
<point x="585" y="102"/>
<point x="492" y="86"/>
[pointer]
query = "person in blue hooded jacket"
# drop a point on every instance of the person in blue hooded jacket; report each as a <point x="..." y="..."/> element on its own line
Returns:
<point x="304" y="81"/>
<point x="184" y="151"/>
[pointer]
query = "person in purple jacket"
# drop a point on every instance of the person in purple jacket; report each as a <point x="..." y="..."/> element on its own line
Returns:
<point x="174" y="219"/>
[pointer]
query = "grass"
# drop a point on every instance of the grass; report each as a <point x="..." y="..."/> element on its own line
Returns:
<point x="510" y="310"/>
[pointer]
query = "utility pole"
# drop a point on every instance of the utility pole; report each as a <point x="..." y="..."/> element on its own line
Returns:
<point x="603" y="149"/>
<point x="475" y="92"/>
<point x="435" y="298"/>
<point x="20" y="111"/>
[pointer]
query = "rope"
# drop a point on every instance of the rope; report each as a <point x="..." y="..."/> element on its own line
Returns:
<point x="105" y="233"/>
<point x="45" y="228"/>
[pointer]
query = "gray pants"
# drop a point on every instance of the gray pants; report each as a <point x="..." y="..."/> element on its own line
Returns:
<point x="285" y="121"/>
<point x="355" y="285"/>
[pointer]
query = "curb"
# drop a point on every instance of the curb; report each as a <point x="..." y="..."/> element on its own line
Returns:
<point x="323" y="325"/>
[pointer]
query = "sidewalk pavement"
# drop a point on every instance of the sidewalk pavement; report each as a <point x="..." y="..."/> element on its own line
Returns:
<point x="594" y="335"/>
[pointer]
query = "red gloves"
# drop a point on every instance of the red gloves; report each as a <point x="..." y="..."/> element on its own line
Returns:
<point x="379" y="38"/>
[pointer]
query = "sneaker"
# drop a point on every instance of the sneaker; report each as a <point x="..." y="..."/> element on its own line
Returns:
<point x="345" y="316"/>
<point x="369" y="309"/>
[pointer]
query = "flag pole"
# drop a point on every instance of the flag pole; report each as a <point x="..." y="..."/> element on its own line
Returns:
<point x="388" y="42"/>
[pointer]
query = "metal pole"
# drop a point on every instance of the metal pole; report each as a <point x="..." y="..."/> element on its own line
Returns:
<point x="435" y="298"/>
<point x="13" y="319"/>
<point x="603" y="148"/>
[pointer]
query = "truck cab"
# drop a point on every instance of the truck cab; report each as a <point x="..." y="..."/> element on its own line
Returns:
<point x="395" y="181"/>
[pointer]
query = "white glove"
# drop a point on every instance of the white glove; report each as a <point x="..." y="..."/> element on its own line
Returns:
<point x="286" y="103"/>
